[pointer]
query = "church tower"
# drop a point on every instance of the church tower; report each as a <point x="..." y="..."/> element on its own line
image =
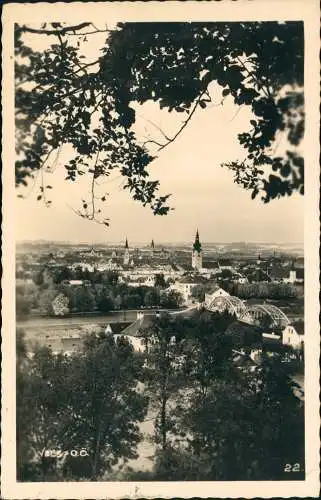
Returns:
<point x="197" y="253"/>
<point x="126" y="254"/>
<point x="292" y="276"/>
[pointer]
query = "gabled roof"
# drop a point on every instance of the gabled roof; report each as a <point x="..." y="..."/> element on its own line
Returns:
<point x="299" y="327"/>
<point x="210" y="264"/>
<point x="300" y="273"/>
<point x="225" y="262"/>
<point x="278" y="272"/>
<point x="136" y="328"/>
<point x="118" y="327"/>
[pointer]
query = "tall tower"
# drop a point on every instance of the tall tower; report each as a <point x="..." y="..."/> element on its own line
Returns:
<point x="197" y="253"/>
<point x="126" y="254"/>
<point x="292" y="276"/>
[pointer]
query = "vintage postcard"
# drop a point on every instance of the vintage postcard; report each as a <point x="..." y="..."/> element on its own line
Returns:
<point x="160" y="286"/>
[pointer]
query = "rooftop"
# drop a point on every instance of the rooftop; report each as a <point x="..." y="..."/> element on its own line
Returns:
<point x="299" y="327"/>
<point x="136" y="328"/>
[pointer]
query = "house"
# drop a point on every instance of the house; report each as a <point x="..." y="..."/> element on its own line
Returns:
<point x="134" y="332"/>
<point x="293" y="335"/>
<point x="226" y="264"/>
<point x="277" y="273"/>
<point x="84" y="266"/>
<point x="185" y="286"/>
<point x="138" y="343"/>
<point x="116" y="328"/>
<point x="142" y="323"/>
<point x="76" y="282"/>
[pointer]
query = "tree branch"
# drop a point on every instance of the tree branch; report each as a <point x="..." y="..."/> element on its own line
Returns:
<point x="93" y="186"/>
<point x="156" y="126"/>
<point x="259" y="84"/>
<point x="55" y="32"/>
<point x="184" y="123"/>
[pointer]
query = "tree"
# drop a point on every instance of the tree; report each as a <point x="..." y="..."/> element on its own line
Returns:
<point x="151" y="298"/>
<point x="163" y="378"/>
<point x="105" y="303"/>
<point x="88" y="401"/>
<point x="40" y="406"/>
<point x="59" y="96"/>
<point x="247" y="429"/>
<point x="46" y="299"/>
<point x="254" y="423"/>
<point x="207" y="351"/>
<point x="198" y="292"/>
<point x="60" y="305"/>
<point x="106" y="401"/>
<point x="110" y="278"/>
<point x="160" y="280"/>
<point x="82" y="299"/>
<point x="171" y="299"/>
<point x="22" y="305"/>
<point x="61" y="274"/>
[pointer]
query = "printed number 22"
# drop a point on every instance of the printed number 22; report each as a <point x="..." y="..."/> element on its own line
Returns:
<point x="292" y="468"/>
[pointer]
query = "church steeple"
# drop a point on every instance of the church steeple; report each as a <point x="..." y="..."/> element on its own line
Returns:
<point x="197" y="246"/>
<point x="126" y="253"/>
<point x="197" y="253"/>
<point x="152" y="244"/>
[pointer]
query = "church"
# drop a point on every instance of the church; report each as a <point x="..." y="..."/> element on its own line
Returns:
<point x="197" y="262"/>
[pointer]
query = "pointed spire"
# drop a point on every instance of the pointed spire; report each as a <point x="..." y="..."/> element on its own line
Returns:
<point x="126" y="243"/>
<point x="152" y="244"/>
<point x="197" y="246"/>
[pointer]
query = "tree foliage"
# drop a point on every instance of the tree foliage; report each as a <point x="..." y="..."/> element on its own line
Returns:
<point x="221" y="423"/>
<point x="88" y="401"/>
<point x="63" y="99"/>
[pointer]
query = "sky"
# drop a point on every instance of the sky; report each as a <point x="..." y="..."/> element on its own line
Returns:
<point x="204" y="195"/>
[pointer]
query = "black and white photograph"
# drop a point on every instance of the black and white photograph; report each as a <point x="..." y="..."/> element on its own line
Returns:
<point x="160" y="260"/>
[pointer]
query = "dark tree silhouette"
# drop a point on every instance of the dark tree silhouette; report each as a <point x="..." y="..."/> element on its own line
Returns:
<point x="62" y="99"/>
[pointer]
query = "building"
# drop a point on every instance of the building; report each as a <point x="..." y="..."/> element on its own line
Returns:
<point x="296" y="275"/>
<point x="141" y="325"/>
<point x="293" y="335"/>
<point x="126" y="254"/>
<point x="197" y="253"/>
<point x="185" y="287"/>
<point x="116" y="328"/>
<point x="226" y="264"/>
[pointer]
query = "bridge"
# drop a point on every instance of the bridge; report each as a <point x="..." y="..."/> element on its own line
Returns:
<point x="261" y="314"/>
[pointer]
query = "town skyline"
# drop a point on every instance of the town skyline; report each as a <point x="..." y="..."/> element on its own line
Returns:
<point x="147" y="242"/>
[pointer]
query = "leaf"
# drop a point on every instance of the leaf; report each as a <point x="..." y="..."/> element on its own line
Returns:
<point x="39" y="197"/>
<point x="202" y="104"/>
<point x="225" y="92"/>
